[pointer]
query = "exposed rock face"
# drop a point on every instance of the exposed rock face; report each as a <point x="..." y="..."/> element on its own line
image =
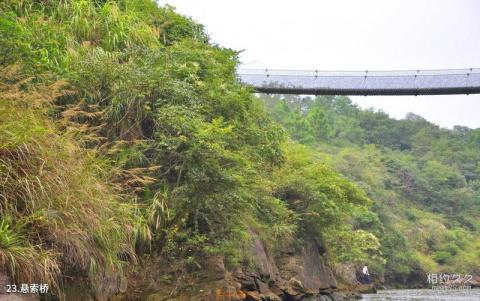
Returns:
<point x="299" y="273"/>
<point x="108" y="285"/>
<point x="308" y="269"/>
<point x="296" y="274"/>
<point x="347" y="274"/>
<point x="475" y="282"/>
<point x="105" y="286"/>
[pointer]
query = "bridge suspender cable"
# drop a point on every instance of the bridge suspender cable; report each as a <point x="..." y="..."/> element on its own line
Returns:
<point x="402" y="82"/>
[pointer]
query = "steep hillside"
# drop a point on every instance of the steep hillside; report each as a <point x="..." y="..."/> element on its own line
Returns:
<point x="135" y="166"/>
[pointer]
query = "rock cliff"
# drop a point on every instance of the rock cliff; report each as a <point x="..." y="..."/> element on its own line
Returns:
<point x="298" y="273"/>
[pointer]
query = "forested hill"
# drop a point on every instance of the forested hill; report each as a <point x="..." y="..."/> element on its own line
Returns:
<point x="134" y="164"/>
<point x="424" y="180"/>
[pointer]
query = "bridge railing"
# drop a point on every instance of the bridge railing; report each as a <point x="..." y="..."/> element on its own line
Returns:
<point x="285" y="72"/>
<point x="402" y="82"/>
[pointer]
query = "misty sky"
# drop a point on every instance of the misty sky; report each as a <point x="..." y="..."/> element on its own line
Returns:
<point x="354" y="35"/>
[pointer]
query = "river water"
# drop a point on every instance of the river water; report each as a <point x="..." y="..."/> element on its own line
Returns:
<point x="424" y="295"/>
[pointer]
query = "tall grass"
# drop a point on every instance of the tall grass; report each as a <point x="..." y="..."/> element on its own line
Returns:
<point x="57" y="211"/>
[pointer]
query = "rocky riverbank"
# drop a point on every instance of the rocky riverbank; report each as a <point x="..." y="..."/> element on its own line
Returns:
<point x="298" y="273"/>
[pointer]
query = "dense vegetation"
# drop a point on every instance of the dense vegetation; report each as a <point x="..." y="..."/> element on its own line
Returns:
<point x="125" y="135"/>
<point x="424" y="180"/>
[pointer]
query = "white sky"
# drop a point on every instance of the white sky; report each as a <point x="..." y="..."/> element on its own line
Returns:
<point x="354" y="35"/>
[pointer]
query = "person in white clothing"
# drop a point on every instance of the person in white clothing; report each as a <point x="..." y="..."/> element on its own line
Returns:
<point x="365" y="270"/>
<point x="366" y="275"/>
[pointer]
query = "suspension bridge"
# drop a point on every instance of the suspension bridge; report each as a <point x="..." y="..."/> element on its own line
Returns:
<point x="404" y="82"/>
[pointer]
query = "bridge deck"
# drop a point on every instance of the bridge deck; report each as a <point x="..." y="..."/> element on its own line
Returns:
<point x="418" y="82"/>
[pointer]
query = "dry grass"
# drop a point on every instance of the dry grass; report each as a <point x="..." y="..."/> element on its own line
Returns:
<point x="58" y="213"/>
